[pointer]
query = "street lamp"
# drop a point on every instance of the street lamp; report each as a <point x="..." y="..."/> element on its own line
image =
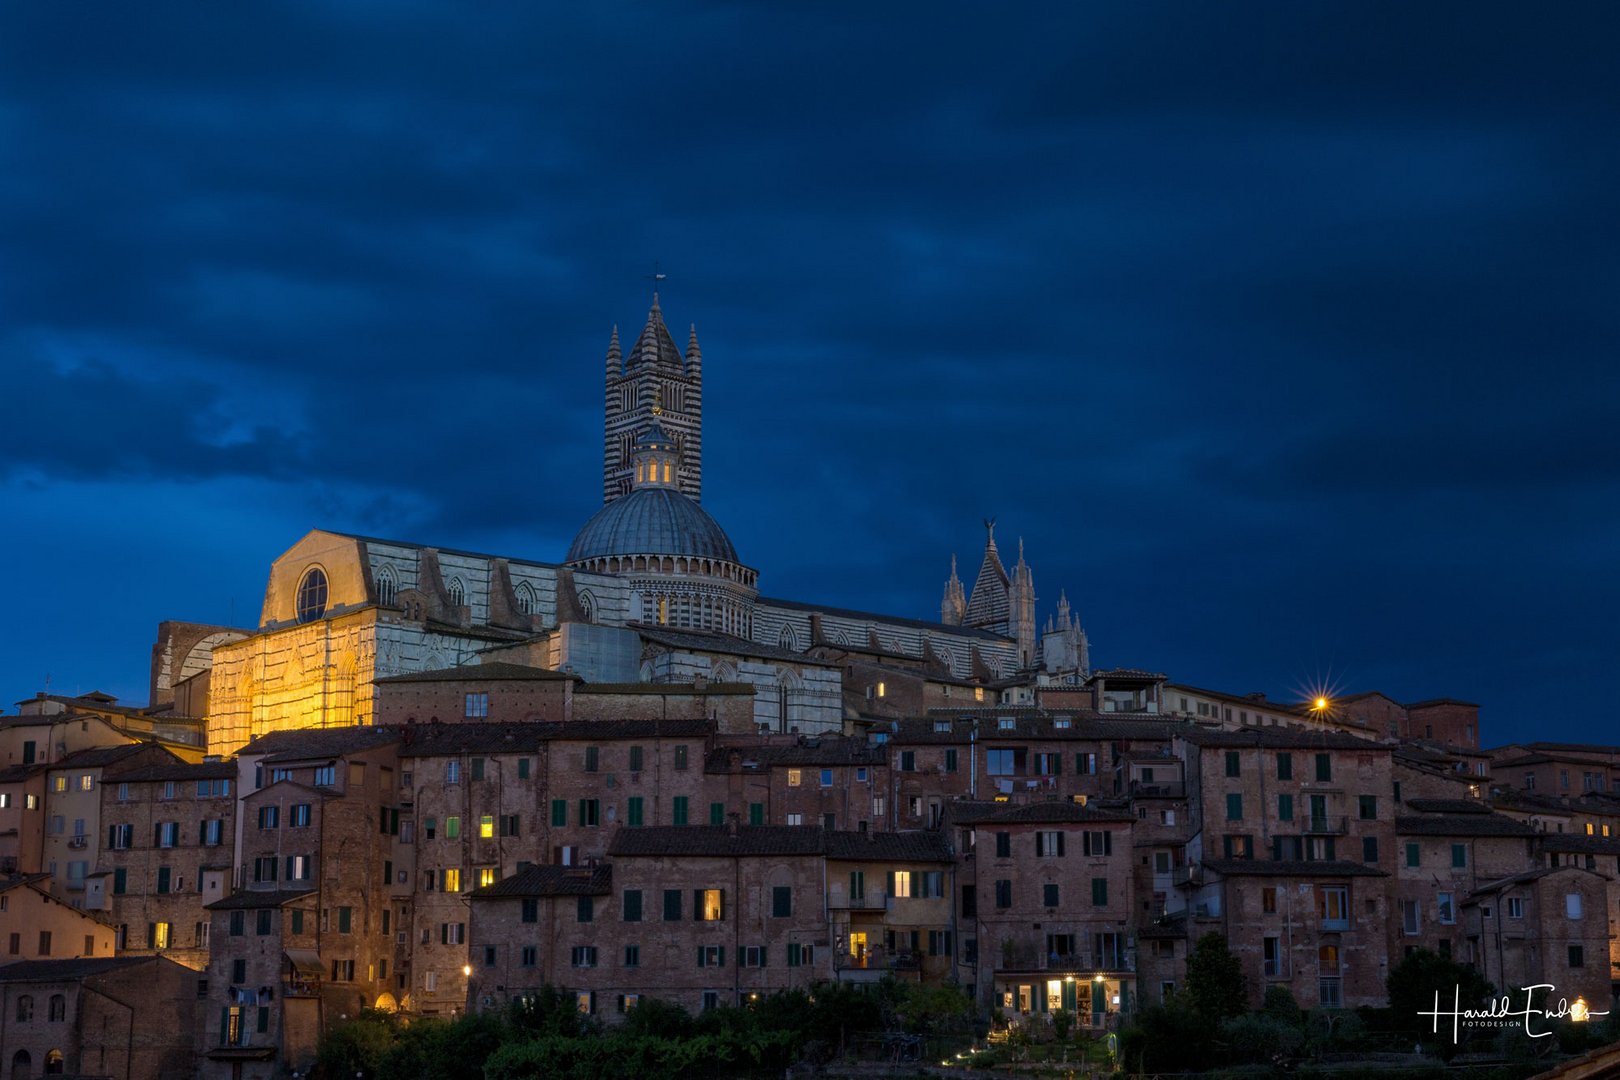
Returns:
<point x="1580" y="1012"/>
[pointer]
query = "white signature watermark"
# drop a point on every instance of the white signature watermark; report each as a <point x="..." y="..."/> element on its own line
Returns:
<point x="1501" y="1013"/>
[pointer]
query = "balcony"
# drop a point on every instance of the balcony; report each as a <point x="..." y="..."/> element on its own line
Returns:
<point x="1327" y="826"/>
<point x="1158" y="789"/>
<point x="293" y="987"/>
<point x="78" y="843"/>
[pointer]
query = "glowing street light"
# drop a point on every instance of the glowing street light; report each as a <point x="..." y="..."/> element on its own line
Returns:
<point x="466" y="970"/>
<point x="1580" y="1012"/>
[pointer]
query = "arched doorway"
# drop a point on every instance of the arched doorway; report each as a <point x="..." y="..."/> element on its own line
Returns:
<point x="22" y="1065"/>
<point x="55" y="1064"/>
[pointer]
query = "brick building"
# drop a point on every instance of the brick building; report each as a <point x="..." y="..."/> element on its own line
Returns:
<point x="167" y="852"/>
<point x="37" y="925"/>
<point x="125" y="1016"/>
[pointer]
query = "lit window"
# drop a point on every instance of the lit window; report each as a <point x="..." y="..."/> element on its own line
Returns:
<point x="312" y="594"/>
<point x="795" y="777"/>
<point x="486" y="827"/>
<point x="881" y="689"/>
<point x="160" y="935"/>
<point x="59" y="783"/>
<point x="486" y="877"/>
<point x="713" y="904"/>
<point x="452" y="880"/>
<point x="900" y="884"/>
<point x="87" y="782"/>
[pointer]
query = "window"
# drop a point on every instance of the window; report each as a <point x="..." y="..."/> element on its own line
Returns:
<point x="523" y="764"/>
<point x="486" y="826"/>
<point x="756" y="813"/>
<point x="1004" y="893"/>
<point x="672" y="905"/>
<point x="908" y="761"/>
<point x="452" y="828"/>
<point x="1003" y="845"/>
<point x="1412" y="855"/>
<point x="1515" y="907"/>
<point x="159" y="933"/>
<point x="238" y="925"/>
<point x="782" y="902"/>
<point x="452" y="879"/>
<point x="1459" y="855"/>
<point x="1285" y="807"/>
<point x="25" y="1009"/>
<point x="857" y="886"/>
<point x="1572" y="905"/>
<point x="795" y="777"/>
<point x="1048" y="764"/>
<point x="1271" y="954"/>
<point x="900" y="884"/>
<point x="1234" y="807"/>
<point x="530" y="911"/>
<point x="1445" y="909"/>
<point x="711" y="956"/>
<point x="826" y="777"/>
<point x="1049" y="844"/>
<point x="1268" y="900"/>
<point x="1369" y="849"/>
<point x="1577" y="956"/>
<point x="635" y="812"/>
<point x="1334" y="905"/>
<point x="452" y="933"/>
<point x="477" y="705"/>
<point x="679" y="813"/>
<point x="1368" y="805"/>
<point x="452" y="772"/>
<point x="1285" y="766"/>
<point x="680" y="758"/>
<point x="1099" y="892"/>
<point x="635" y="759"/>
<point x="264" y="869"/>
<point x="559" y="813"/>
<point x="1085" y="764"/>
<point x="269" y="817"/>
<point x="632" y="905"/>
<point x="298" y="867"/>
<point x="1233" y="763"/>
<point x="998" y="762"/>
<point x="311" y="599"/>
<point x="1049" y="895"/>
<point x="632" y="956"/>
<point x="751" y="956"/>
<point x="44" y="943"/>
<point x="584" y="956"/>
<point x="120" y="837"/>
<point x="1097" y="843"/>
<point x="585" y="909"/>
<point x="1324" y="767"/>
<point x="799" y="955"/>
<point x="708" y="905"/>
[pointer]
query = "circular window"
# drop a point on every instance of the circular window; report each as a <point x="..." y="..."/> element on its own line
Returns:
<point x="312" y="594"/>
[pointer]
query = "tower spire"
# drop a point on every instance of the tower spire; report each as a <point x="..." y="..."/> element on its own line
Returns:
<point x="614" y="358"/>
<point x="694" y="355"/>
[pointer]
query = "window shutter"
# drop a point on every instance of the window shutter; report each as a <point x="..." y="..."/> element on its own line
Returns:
<point x="700" y="956"/>
<point x="1060" y="843"/>
<point x="224" y="1024"/>
<point x="762" y="956"/>
<point x="722" y="960"/>
<point x="722" y="909"/>
<point x="1108" y="843"/>
<point x="697" y="905"/>
<point x="891" y="884"/>
<point x="1040" y="844"/>
<point x="444" y="933"/>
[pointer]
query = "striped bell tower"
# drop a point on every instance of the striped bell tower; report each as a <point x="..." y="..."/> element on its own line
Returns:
<point x="652" y="384"/>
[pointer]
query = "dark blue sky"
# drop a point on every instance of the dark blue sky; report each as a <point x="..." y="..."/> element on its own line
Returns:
<point x="1284" y="334"/>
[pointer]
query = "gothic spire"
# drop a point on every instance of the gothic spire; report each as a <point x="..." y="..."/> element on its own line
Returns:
<point x="614" y="358"/>
<point x="954" y="605"/>
<point x="694" y="355"/>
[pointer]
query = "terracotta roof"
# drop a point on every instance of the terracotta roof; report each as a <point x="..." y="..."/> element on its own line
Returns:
<point x="1084" y="725"/>
<point x="12" y="881"/>
<point x="437" y="740"/>
<point x="1469" y="824"/>
<point x="249" y="899"/>
<point x="664" y="689"/>
<point x="827" y="750"/>
<point x="207" y="770"/>
<point x="915" y="846"/>
<point x="1127" y="673"/>
<point x="1326" y="868"/>
<point x="1277" y="738"/>
<point x="719" y="841"/>
<point x="551" y="880"/>
<point x="13" y="774"/>
<point x="70" y="970"/>
<point x="1447" y="806"/>
<point x="1050" y="811"/>
<point x="100" y="756"/>
<point x="1579" y="842"/>
<point x="1522" y="877"/>
<point x="320" y="742"/>
<point x="1432" y="702"/>
<point x="494" y="671"/>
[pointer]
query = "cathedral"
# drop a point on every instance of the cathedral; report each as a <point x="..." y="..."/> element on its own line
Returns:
<point x="652" y="590"/>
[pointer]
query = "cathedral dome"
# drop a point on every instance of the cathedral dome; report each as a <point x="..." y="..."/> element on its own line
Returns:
<point x="652" y="521"/>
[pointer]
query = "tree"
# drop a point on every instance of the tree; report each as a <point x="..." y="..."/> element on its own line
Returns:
<point x="1413" y="983"/>
<point x="1216" y="989"/>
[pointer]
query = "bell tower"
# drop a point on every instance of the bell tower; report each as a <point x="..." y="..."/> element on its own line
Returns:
<point x="653" y="385"/>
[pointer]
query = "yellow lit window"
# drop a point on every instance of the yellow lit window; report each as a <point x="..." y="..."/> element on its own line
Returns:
<point x="666" y="472"/>
<point x="60" y="783"/>
<point x="452" y="881"/>
<point x="486" y="827"/>
<point x="713" y="905"/>
<point x="881" y="689"/>
<point x="663" y="610"/>
<point x="1605" y="830"/>
<point x="902" y="883"/>
<point x="978" y="693"/>
<point x="1589" y="829"/>
<point x="160" y="935"/>
<point x="486" y="877"/>
<point x="795" y="777"/>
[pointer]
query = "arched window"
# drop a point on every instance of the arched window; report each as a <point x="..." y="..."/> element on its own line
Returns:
<point x="666" y="472"/>
<point x="788" y="640"/>
<point x="25" y="1007"/>
<point x="587" y="605"/>
<point x="387" y="587"/>
<point x="22" y="1065"/>
<point x="312" y="595"/>
<point x="458" y="592"/>
<point x="58" y="1007"/>
<point x="526" y="601"/>
<point x="55" y="1064"/>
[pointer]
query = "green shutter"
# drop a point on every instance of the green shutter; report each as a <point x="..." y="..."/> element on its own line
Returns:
<point x="635" y="810"/>
<point x="559" y="812"/>
<point x="717" y="813"/>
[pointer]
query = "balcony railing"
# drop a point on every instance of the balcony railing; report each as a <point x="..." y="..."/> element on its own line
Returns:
<point x="300" y="988"/>
<point x="1162" y="789"/>
<point x="1327" y="826"/>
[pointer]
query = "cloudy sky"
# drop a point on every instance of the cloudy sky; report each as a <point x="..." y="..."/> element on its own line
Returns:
<point x="1284" y="334"/>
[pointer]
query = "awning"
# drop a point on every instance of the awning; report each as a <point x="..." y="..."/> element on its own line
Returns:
<point x="306" y="962"/>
